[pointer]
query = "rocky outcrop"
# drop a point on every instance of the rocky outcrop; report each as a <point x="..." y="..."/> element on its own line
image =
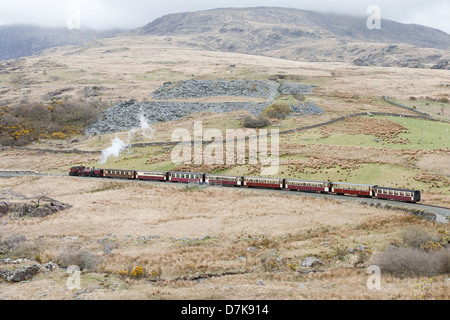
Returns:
<point x="311" y="262"/>
<point x="18" y="205"/>
<point x="20" y="274"/>
<point x="441" y="65"/>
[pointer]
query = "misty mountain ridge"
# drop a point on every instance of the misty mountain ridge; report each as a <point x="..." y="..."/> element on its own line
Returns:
<point x="306" y="36"/>
<point x="25" y="40"/>
<point x="285" y="24"/>
<point x="269" y="31"/>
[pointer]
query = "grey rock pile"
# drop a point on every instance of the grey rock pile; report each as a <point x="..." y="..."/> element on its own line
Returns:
<point x="305" y="109"/>
<point x="292" y="88"/>
<point x="194" y="89"/>
<point x="126" y="115"/>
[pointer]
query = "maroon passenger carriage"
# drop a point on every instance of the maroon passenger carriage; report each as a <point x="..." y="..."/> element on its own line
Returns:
<point x="119" y="174"/>
<point x="404" y="195"/>
<point x="258" y="182"/>
<point x="230" y="181"/>
<point x="307" y="186"/>
<point x="186" y="177"/>
<point x="152" y="175"/>
<point x="352" y="189"/>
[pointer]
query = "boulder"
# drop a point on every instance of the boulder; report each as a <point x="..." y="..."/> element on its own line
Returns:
<point x="311" y="262"/>
<point x="4" y="208"/>
<point x="20" y="274"/>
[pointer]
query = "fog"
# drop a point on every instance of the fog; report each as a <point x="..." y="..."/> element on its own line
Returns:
<point x="110" y="14"/>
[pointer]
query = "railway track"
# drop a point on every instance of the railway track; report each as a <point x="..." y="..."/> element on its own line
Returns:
<point x="439" y="214"/>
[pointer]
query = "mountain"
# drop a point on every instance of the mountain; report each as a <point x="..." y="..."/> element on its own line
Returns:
<point x="268" y="31"/>
<point x="25" y="40"/>
<point x="306" y="35"/>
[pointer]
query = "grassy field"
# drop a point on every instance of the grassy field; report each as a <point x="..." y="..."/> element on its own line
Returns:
<point x="207" y="244"/>
<point x="218" y="243"/>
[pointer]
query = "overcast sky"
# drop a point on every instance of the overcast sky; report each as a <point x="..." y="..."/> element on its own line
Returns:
<point x="127" y="14"/>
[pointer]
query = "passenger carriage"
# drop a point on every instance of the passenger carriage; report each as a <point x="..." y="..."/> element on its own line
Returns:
<point x="353" y="189"/>
<point x="231" y="181"/>
<point x="397" y="194"/>
<point x="186" y="177"/>
<point x="119" y="174"/>
<point x="257" y="182"/>
<point x="307" y="186"/>
<point x="151" y="175"/>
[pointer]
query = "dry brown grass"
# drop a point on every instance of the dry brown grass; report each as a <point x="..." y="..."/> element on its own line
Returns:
<point x="135" y="73"/>
<point x="287" y="227"/>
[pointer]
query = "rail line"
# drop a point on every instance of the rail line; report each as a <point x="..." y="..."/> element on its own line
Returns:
<point x="436" y="213"/>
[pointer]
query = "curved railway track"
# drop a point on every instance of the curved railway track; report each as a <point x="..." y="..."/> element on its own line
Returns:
<point x="439" y="214"/>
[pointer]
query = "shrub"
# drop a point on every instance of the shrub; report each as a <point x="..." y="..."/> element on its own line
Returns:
<point x="81" y="258"/>
<point x="138" y="272"/>
<point x="13" y="242"/>
<point x="426" y="292"/>
<point x="340" y="252"/>
<point x="300" y="97"/>
<point x="413" y="262"/>
<point x="416" y="237"/>
<point x="278" y="111"/>
<point x="26" y="122"/>
<point x="259" y="122"/>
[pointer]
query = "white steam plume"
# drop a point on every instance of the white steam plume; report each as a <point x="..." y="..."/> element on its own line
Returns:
<point x="118" y="146"/>
<point x="147" y="131"/>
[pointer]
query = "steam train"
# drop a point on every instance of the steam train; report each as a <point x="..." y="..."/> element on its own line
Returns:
<point x="325" y="187"/>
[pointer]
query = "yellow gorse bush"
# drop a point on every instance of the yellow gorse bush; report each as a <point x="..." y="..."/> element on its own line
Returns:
<point x="431" y="246"/>
<point x="137" y="272"/>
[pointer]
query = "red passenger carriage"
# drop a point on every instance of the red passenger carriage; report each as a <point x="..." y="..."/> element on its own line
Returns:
<point x="186" y="177"/>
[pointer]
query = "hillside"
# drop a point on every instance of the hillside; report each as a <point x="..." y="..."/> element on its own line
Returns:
<point x="141" y="240"/>
<point x="24" y="40"/>
<point x="305" y="36"/>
